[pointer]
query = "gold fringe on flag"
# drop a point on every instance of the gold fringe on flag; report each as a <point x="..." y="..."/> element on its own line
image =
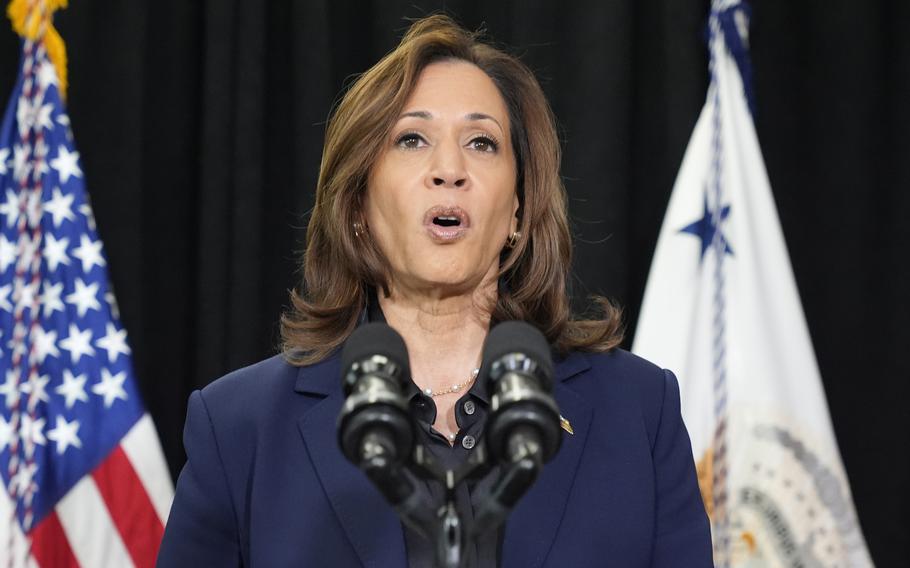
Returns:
<point x="30" y="19"/>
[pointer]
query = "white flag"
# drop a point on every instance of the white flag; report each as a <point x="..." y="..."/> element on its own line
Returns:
<point x="721" y="308"/>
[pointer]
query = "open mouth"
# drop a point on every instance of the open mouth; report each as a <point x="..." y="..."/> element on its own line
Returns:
<point x="447" y="216"/>
<point x="447" y="223"/>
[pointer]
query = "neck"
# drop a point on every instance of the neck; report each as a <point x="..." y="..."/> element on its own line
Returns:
<point x="444" y="334"/>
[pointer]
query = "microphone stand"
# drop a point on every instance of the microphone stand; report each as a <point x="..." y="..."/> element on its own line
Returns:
<point x="377" y="454"/>
<point x="376" y="434"/>
<point x="452" y="535"/>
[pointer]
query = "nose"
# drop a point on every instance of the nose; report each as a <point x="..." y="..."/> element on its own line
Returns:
<point x="448" y="167"/>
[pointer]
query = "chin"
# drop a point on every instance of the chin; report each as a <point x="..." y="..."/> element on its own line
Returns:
<point x="443" y="275"/>
<point x="445" y="278"/>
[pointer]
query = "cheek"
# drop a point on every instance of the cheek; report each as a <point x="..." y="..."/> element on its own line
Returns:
<point x="387" y="216"/>
<point x="505" y="208"/>
<point x="380" y="201"/>
<point x="387" y="197"/>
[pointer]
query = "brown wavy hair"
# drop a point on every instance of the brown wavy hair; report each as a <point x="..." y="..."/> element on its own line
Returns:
<point x="339" y="266"/>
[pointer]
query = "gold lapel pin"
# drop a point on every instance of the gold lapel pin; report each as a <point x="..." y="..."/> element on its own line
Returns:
<point x="566" y="425"/>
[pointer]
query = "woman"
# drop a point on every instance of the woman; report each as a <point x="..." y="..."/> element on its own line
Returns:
<point x="439" y="209"/>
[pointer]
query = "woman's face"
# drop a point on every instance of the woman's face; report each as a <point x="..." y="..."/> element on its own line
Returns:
<point x="441" y="199"/>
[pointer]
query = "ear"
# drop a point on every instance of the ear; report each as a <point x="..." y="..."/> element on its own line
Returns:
<point x="515" y="206"/>
<point x="363" y="205"/>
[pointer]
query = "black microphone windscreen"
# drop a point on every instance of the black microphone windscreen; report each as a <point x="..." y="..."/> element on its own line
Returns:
<point x="375" y="339"/>
<point x="517" y="337"/>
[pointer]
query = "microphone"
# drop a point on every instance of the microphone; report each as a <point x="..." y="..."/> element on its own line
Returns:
<point x="524" y="419"/>
<point x="375" y="431"/>
<point x="522" y="432"/>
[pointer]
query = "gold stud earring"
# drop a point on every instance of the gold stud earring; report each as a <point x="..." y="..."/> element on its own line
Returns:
<point x="513" y="239"/>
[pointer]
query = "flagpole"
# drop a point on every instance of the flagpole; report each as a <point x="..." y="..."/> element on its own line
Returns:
<point x="719" y="466"/>
<point x="21" y="487"/>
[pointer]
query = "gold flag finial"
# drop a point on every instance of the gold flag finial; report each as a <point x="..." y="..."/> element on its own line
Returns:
<point x="33" y="19"/>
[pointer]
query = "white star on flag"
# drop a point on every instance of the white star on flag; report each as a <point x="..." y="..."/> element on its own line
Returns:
<point x="25" y="115"/>
<point x="10" y="207"/>
<point x="112" y="302"/>
<point x="7" y="253"/>
<point x="47" y="75"/>
<point x="27" y="247"/>
<point x="55" y="251"/>
<point x="33" y="211"/>
<point x="4" y="156"/>
<point x="36" y="389"/>
<point x="66" y="164"/>
<point x="27" y="293"/>
<point x="89" y="215"/>
<point x="84" y="297"/>
<point x="78" y="343"/>
<point x="38" y="163"/>
<point x="4" y="298"/>
<point x="89" y="252"/>
<point x="50" y="299"/>
<point x="72" y="389"/>
<point x="23" y="479"/>
<point x="32" y="430"/>
<point x="44" y="343"/>
<point x="64" y="434"/>
<point x="114" y="343"/>
<point x="43" y="116"/>
<point x="60" y="207"/>
<point x="10" y="390"/>
<point x="22" y="166"/>
<point x="110" y="387"/>
<point x="6" y="433"/>
<point x="64" y="120"/>
<point x="17" y="345"/>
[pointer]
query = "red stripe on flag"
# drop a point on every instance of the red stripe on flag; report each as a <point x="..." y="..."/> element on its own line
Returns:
<point x="130" y="507"/>
<point x="50" y="547"/>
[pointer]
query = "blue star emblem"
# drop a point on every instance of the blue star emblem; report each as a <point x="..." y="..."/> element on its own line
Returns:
<point x="705" y="229"/>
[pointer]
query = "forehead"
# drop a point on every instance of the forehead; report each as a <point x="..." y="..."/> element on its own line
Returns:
<point x="453" y="89"/>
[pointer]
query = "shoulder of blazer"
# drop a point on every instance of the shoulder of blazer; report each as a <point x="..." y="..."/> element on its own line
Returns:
<point x="619" y="377"/>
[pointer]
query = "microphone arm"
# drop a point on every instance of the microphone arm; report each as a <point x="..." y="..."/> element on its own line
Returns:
<point x="379" y="464"/>
<point x="516" y="478"/>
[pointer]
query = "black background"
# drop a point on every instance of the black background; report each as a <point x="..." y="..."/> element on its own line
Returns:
<point x="200" y="128"/>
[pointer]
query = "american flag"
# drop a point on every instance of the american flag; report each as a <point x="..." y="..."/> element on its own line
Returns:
<point x="85" y="481"/>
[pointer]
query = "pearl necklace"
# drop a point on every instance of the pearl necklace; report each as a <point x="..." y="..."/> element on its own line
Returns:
<point x="454" y="388"/>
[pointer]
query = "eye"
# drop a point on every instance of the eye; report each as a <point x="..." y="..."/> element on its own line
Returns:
<point x="410" y="141"/>
<point x="484" y="144"/>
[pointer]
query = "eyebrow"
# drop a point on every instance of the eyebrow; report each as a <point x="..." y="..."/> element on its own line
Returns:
<point x="426" y="115"/>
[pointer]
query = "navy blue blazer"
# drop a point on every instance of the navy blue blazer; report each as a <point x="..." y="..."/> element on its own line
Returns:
<point x="266" y="485"/>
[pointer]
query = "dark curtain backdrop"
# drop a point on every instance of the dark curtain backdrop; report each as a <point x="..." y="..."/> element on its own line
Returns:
<point x="200" y="126"/>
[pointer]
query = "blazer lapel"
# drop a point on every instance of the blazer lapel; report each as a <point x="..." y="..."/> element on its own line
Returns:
<point x="370" y="522"/>
<point x="532" y="526"/>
